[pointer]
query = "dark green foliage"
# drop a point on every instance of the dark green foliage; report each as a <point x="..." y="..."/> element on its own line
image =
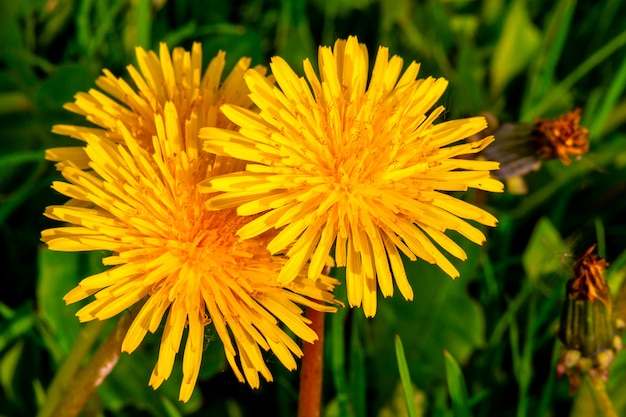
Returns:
<point x="517" y="59"/>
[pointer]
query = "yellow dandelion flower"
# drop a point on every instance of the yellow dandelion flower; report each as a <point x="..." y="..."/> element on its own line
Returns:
<point x="175" y="78"/>
<point x="361" y="167"/>
<point x="136" y="195"/>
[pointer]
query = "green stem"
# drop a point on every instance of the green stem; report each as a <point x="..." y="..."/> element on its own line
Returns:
<point x="619" y="303"/>
<point x="604" y="403"/>
<point x="65" y="375"/>
<point x="72" y="387"/>
<point x="534" y="200"/>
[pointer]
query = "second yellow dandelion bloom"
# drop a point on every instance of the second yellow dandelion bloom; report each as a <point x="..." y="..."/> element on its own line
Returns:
<point x="337" y="161"/>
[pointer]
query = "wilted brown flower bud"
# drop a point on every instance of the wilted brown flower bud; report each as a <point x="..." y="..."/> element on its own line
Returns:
<point x="521" y="147"/>
<point x="560" y="137"/>
<point x="589" y="333"/>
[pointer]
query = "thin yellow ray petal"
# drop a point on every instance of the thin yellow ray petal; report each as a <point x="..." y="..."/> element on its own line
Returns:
<point x="381" y="260"/>
<point x="397" y="266"/>
<point x="370" y="297"/>
<point x="354" y="277"/>
<point x="445" y="242"/>
<point x="462" y="209"/>
<point x="192" y="355"/>
<point x="328" y="236"/>
<point x="289" y="234"/>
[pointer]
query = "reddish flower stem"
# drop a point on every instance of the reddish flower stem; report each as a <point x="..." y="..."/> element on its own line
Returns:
<point x="310" y="397"/>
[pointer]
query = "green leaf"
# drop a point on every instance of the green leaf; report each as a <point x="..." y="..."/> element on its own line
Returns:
<point x="245" y="42"/>
<point x="335" y="343"/>
<point x="16" y="326"/>
<point x="358" y="380"/>
<point x="128" y="385"/>
<point x="614" y="92"/>
<point x="334" y="8"/>
<point x="542" y="70"/>
<point x="141" y="11"/>
<point x="9" y="369"/>
<point x="616" y="274"/>
<point x="617" y="379"/>
<point x="516" y="47"/>
<point x="59" y="89"/>
<point x="598" y="57"/>
<point x="345" y="356"/>
<point x="59" y="272"/>
<point x="294" y="41"/>
<point x="471" y="96"/>
<point x="405" y="377"/>
<point x="441" y="316"/>
<point x="544" y="252"/>
<point x="213" y="357"/>
<point x="456" y="387"/>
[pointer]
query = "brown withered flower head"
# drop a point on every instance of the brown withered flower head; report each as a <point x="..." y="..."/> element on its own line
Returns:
<point x="560" y="137"/>
<point x="588" y="330"/>
<point x="522" y="147"/>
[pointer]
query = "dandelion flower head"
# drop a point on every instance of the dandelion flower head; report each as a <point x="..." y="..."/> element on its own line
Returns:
<point x="338" y="162"/>
<point x="561" y="137"/>
<point x="133" y="190"/>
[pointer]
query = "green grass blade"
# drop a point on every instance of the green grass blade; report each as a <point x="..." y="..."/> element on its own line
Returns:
<point x="547" y="395"/>
<point x="143" y="11"/>
<point x="358" y="381"/>
<point x="67" y="371"/>
<point x="600" y="237"/>
<point x="17" y="158"/>
<point x="517" y="46"/>
<point x="583" y="69"/>
<point x="405" y="377"/>
<point x="15" y="328"/>
<point x="338" y="360"/>
<point x="105" y="27"/>
<point x="543" y="70"/>
<point x="611" y="97"/>
<point x="456" y="387"/>
<point x="84" y="31"/>
<point x="524" y="367"/>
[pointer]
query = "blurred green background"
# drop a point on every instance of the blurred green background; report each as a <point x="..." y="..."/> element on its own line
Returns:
<point x="517" y="59"/>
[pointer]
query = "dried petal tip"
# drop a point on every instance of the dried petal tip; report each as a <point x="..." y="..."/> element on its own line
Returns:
<point x="590" y="335"/>
<point x="561" y="137"/>
<point x="588" y="282"/>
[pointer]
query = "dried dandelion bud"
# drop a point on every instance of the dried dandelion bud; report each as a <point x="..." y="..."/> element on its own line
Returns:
<point x="521" y="147"/>
<point x="560" y="137"/>
<point x="588" y="331"/>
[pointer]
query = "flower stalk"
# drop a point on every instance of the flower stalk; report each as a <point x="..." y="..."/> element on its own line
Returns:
<point x="311" y="375"/>
<point x="71" y="391"/>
